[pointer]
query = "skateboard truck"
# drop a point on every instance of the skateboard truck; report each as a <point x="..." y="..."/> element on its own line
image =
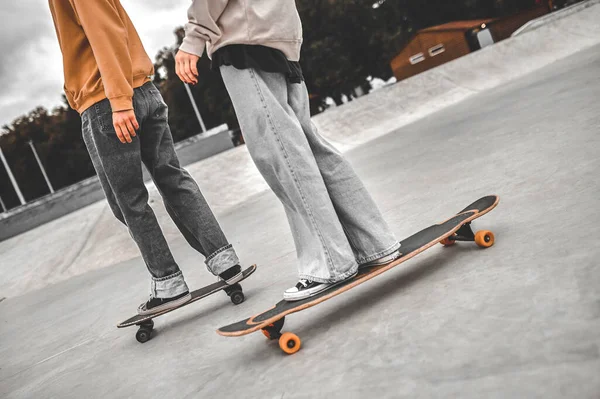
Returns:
<point x="235" y="293"/>
<point x="288" y="342"/>
<point x="273" y="331"/>
<point x="483" y="238"/>
<point x="145" y="331"/>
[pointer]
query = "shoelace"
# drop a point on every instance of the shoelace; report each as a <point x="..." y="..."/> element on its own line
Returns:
<point x="302" y="282"/>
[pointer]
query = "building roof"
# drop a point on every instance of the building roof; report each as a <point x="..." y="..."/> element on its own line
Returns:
<point x="458" y="25"/>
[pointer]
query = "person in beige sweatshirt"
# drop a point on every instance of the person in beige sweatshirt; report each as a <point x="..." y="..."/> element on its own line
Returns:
<point x="124" y="122"/>
<point x="255" y="45"/>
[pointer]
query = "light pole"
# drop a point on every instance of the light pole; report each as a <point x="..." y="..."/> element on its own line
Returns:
<point x="12" y="178"/>
<point x="37" y="158"/>
<point x="189" y="92"/>
<point x="3" y="206"/>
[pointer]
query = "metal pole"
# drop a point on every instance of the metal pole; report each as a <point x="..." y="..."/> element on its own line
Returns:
<point x="37" y="158"/>
<point x="3" y="206"/>
<point x="189" y="92"/>
<point x="12" y="178"/>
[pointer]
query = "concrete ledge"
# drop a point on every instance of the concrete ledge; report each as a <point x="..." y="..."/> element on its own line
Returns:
<point x="203" y="146"/>
<point x="50" y="207"/>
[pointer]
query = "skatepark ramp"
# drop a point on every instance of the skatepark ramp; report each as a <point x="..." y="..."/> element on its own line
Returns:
<point x="394" y="106"/>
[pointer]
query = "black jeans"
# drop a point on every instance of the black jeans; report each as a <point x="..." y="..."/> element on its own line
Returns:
<point x="119" y="167"/>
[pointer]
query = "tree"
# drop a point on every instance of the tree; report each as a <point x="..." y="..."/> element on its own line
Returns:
<point x="57" y="137"/>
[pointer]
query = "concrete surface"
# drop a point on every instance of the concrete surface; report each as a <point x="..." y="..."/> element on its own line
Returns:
<point x="89" y="191"/>
<point x="548" y="18"/>
<point x="521" y="319"/>
<point x="91" y="238"/>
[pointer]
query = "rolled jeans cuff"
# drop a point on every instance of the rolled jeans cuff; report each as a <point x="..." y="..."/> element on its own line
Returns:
<point x="381" y="254"/>
<point x="169" y="286"/>
<point x="222" y="259"/>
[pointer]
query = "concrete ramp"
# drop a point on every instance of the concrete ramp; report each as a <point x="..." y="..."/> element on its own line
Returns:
<point x="392" y="107"/>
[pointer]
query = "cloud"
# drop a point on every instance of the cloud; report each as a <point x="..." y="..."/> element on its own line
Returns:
<point x="31" y="64"/>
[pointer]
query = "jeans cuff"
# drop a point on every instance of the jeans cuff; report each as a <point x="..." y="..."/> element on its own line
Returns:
<point x="222" y="259"/>
<point x="331" y="280"/>
<point x="380" y="254"/>
<point x="169" y="286"/>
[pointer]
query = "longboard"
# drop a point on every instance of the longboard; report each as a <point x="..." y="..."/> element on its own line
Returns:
<point x="146" y="324"/>
<point x="457" y="228"/>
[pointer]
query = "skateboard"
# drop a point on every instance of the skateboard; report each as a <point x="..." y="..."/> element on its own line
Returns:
<point x="146" y="323"/>
<point x="447" y="233"/>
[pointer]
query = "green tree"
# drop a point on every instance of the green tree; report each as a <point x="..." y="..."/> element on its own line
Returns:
<point x="57" y="138"/>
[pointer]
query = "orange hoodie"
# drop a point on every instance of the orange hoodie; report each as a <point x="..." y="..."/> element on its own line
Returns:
<point x="103" y="56"/>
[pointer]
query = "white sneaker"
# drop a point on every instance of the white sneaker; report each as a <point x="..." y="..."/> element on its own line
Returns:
<point x="306" y="289"/>
<point x="382" y="261"/>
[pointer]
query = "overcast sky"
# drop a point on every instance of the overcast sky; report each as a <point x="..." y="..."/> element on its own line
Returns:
<point x="30" y="61"/>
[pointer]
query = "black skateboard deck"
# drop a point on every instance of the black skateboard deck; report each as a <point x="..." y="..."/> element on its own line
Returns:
<point x="457" y="228"/>
<point x="146" y="324"/>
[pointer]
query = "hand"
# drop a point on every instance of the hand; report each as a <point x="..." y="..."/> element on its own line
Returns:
<point x="185" y="67"/>
<point x="125" y="125"/>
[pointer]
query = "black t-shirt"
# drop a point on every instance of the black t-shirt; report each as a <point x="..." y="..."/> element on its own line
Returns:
<point x="243" y="56"/>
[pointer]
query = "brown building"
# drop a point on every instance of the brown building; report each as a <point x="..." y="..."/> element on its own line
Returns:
<point x="437" y="45"/>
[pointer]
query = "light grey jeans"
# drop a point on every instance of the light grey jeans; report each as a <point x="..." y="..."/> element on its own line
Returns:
<point x="119" y="168"/>
<point x="335" y="223"/>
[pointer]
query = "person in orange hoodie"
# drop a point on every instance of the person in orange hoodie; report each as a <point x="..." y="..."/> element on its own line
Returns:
<point x="255" y="45"/>
<point x="124" y="121"/>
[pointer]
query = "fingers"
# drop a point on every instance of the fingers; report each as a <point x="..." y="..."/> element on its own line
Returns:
<point x="125" y="126"/>
<point x="124" y="132"/>
<point x="194" y="69"/>
<point x="186" y="68"/>
<point x="178" y="67"/>
<point x="135" y="123"/>
<point x="120" y="134"/>
<point x="130" y="128"/>
<point x="187" y="72"/>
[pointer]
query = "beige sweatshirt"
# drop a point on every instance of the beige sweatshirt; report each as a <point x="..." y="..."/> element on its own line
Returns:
<point x="217" y="23"/>
<point x="102" y="53"/>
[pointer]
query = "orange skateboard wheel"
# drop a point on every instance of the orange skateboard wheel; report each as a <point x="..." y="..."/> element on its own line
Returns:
<point x="484" y="238"/>
<point x="447" y="242"/>
<point x="289" y="343"/>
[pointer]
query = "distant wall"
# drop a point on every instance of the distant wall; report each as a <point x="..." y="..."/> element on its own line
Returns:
<point x="455" y="46"/>
<point x="503" y="28"/>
